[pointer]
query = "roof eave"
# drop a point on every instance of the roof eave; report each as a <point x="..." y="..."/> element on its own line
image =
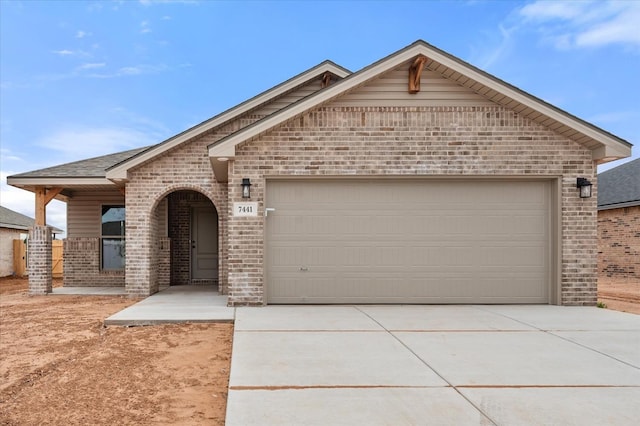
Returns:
<point x="619" y="205"/>
<point x="30" y="183"/>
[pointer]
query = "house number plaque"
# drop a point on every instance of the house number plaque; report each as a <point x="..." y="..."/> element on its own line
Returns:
<point x="245" y="209"/>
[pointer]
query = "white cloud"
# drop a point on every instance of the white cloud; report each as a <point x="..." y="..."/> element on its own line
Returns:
<point x="585" y="24"/>
<point x="546" y="10"/>
<point x="622" y="28"/>
<point x="67" y="52"/>
<point x="64" y="52"/>
<point x="82" y="34"/>
<point x="152" y="2"/>
<point x="144" y="27"/>
<point x="85" y="142"/>
<point x="91" y="66"/>
<point x="7" y="155"/>
<point x="98" y="70"/>
<point x="487" y="59"/>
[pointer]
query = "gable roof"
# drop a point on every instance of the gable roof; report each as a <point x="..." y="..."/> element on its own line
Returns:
<point x="604" y="145"/>
<point x="13" y="220"/>
<point x="119" y="171"/>
<point x="620" y="186"/>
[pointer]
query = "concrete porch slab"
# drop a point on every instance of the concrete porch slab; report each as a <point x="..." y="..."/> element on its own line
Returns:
<point x="90" y="291"/>
<point x="176" y="304"/>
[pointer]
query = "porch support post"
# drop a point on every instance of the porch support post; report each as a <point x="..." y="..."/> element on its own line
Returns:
<point x="43" y="197"/>
<point x="39" y="258"/>
<point x="39" y="246"/>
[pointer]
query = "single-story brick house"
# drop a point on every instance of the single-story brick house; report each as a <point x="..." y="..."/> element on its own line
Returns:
<point x="619" y="222"/>
<point x="418" y="179"/>
<point x="13" y="226"/>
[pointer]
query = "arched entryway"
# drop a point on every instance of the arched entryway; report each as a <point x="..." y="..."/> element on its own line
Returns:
<point x="193" y="235"/>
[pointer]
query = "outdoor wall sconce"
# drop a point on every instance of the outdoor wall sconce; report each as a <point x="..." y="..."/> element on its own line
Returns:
<point x="585" y="187"/>
<point x="246" y="188"/>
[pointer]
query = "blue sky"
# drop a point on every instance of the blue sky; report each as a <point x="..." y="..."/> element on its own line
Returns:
<point x="85" y="78"/>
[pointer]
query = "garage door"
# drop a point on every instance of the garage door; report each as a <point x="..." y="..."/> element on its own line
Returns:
<point x="408" y="241"/>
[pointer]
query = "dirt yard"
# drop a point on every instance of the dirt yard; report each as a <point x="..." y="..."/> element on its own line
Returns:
<point x="59" y="365"/>
<point x="619" y="294"/>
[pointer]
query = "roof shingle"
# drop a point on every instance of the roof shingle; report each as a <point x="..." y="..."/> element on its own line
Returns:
<point x="620" y="186"/>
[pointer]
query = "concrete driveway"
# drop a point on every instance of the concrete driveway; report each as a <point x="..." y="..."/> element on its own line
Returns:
<point x="439" y="365"/>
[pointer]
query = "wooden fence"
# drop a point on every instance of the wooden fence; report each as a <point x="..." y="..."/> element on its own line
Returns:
<point x="20" y="258"/>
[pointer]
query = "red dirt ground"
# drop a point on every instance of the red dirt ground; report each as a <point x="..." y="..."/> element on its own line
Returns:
<point x="59" y="365"/>
<point x="620" y="294"/>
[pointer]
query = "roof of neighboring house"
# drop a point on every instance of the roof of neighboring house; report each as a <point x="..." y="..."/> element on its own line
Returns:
<point x="13" y="220"/>
<point x="620" y="186"/>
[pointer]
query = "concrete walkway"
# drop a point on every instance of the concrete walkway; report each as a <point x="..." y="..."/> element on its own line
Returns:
<point x="89" y="291"/>
<point x="185" y="303"/>
<point x="440" y="365"/>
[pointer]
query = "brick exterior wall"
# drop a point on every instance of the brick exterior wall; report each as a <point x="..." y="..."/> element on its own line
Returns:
<point x="164" y="264"/>
<point x="352" y="141"/>
<point x="39" y="249"/>
<point x="82" y="265"/>
<point x="619" y="243"/>
<point x="185" y="168"/>
<point x="416" y="141"/>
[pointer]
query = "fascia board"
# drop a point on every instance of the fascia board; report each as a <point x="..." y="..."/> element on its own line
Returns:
<point x="57" y="181"/>
<point x="119" y="171"/>
<point x="619" y="205"/>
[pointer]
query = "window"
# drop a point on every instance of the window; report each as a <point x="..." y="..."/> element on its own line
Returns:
<point x="112" y="238"/>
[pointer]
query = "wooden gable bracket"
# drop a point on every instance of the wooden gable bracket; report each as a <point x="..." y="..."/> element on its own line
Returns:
<point x="43" y="197"/>
<point x="326" y="80"/>
<point x="415" y="72"/>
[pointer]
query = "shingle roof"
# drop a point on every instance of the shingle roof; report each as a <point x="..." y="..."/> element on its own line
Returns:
<point x="620" y="186"/>
<point x="92" y="167"/>
<point x="14" y="220"/>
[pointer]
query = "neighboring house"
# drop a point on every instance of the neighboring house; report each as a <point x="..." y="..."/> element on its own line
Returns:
<point x="13" y="226"/>
<point x="619" y="222"/>
<point x="418" y="179"/>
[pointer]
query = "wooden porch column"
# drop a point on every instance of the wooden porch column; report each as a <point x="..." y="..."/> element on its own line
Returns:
<point x="44" y="197"/>
<point x="39" y="247"/>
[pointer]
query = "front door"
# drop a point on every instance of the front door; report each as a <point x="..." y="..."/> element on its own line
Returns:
<point x="204" y="243"/>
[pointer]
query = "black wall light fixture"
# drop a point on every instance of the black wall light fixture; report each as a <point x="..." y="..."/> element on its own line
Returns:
<point x="585" y="187"/>
<point x="246" y="188"/>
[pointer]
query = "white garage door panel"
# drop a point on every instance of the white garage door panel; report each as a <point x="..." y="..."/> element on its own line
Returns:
<point x="408" y="241"/>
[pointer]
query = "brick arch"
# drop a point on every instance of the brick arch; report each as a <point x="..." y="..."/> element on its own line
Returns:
<point x="184" y="187"/>
<point x="162" y="252"/>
